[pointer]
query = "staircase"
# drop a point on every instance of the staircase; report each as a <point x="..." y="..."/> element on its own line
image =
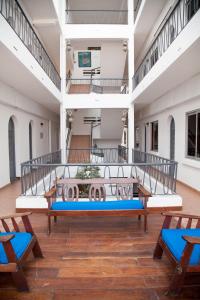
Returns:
<point x="81" y="144"/>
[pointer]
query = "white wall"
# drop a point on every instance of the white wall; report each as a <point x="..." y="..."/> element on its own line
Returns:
<point x="113" y="60"/>
<point x="95" y="63"/>
<point x="78" y="126"/>
<point x="111" y="124"/>
<point x="23" y="110"/>
<point x="185" y="98"/>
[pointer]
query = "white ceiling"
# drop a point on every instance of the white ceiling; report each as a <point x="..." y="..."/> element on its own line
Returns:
<point x="151" y="11"/>
<point x="185" y="67"/>
<point x="16" y="75"/>
<point x="98" y="4"/>
<point x="44" y="20"/>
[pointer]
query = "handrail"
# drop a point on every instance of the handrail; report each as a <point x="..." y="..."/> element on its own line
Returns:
<point x="100" y="16"/>
<point x="179" y="17"/>
<point x="16" y="18"/>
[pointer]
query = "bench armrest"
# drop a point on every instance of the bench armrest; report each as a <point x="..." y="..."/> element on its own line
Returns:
<point x="192" y="239"/>
<point x="6" y="238"/>
<point x="16" y="215"/>
<point x="180" y="215"/>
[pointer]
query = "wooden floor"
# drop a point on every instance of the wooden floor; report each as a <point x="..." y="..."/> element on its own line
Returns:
<point x="97" y="259"/>
<point x="79" y="142"/>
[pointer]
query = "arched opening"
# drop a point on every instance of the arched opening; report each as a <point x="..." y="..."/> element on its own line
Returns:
<point x="30" y="141"/>
<point x="11" y="141"/>
<point x="172" y="139"/>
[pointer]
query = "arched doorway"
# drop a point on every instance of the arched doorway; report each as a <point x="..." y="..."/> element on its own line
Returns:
<point x="30" y="141"/>
<point x="11" y="141"/>
<point x="172" y="139"/>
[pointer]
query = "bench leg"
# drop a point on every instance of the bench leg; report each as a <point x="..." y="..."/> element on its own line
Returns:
<point x="177" y="281"/>
<point x="37" y="252"/>
<point x="139" y="217"/>
<point x="55" y="219"/>
<point x="49" y="225"/>
<point x="158" y="252"/>
<point x="20" y="281"/>
<point x="145" y="223"/>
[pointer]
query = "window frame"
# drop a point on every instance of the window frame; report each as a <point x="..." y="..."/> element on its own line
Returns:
<point x="152" y="140"/>
<point x="195" y="157"/>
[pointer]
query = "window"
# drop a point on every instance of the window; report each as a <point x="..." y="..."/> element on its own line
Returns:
<point x="193" y="134"/>
<point x="154" y="136"/>
<point x="137" y="137"/>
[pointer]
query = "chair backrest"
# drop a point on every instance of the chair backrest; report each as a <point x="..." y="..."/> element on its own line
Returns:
<point x="124" y="191"/>
<point x="70" y="192"/>
<point x="97" y="192"/>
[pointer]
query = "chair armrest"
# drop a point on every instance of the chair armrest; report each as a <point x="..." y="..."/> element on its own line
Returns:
<point x="6" y="238"/>
<point x="192" y="239"/>
<point x="51" y="193"/>
<point x="143" y="192"/>
<point x="180" y="215"/>
<point x="16" y="215"/>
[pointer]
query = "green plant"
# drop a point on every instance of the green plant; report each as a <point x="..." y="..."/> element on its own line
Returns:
<point x="87" y="172"/>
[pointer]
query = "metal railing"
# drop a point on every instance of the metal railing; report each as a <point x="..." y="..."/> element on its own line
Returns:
<point x="32" y="171"/>
<point x="162" y="169"/>
<point x="174" y="24"/>
<point x="96" y="16"/>
<point x="98" y="155"/>
<point x="98" y="85"/>
<point x="157" y="173"/>
<point x="14" y="15"/>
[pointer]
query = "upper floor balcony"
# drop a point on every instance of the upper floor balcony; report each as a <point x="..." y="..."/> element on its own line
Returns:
<point x="169" y="30"/>
<point x="17" y="19"/>
<point x="96" y="12"/>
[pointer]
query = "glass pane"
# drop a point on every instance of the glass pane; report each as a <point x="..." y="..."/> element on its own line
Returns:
<point x="191" y="135"/>
<point x="154" y="136"/>
<point x="198" y="137"/>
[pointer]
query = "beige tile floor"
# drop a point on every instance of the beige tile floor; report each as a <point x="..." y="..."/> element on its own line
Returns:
<point x="8" y="195"/>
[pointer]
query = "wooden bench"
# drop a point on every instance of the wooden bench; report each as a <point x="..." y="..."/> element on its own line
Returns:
<point x="15" y="246"/>
<point x="97" y="205"/>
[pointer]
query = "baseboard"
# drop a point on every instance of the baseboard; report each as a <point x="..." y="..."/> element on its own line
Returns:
<point x="188" y="186"/>
<point x="33" y="210"/>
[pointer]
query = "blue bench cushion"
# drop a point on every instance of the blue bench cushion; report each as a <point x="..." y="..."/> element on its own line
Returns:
<point x="19" y="242"/>
<point x="95" y="205"/>
<point x="176" y="244"/>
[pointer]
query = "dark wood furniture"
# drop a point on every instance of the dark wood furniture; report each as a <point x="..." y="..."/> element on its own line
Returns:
<point x="14" y="265"/>
<point x="182" y="265"/>
<point x="97" y="192"/>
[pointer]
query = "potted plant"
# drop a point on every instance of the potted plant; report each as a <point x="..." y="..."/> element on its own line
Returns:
<point x="87" y="172"/>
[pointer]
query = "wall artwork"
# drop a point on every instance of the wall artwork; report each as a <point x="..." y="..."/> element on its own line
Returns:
<point x="84" y="59"/>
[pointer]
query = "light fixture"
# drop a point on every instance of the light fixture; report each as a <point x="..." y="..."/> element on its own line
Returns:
<point x="70" y="117"/>
<point x="124" y="116"/>
<point x="69" y="46"/>
<point x="125" y="46"/>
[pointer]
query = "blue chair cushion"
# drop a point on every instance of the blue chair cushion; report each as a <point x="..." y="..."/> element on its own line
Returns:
<point x="95" y="205"/>
<point x="19" y="242"/>
<point x="176" y="244"/>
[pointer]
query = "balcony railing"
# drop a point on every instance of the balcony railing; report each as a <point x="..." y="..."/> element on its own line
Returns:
<point x="175" y="23"/>
<point x="159" y="174"/>
<point x="98" y="155"/>
<point x="160" y="168"/>
<point x="96" y="16"/>
<point x="14" y="15"/>
<point x="98" y="85"/>
<point x="32" y="171"/>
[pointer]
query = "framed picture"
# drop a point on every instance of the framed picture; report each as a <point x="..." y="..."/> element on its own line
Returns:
<point x="84" y="59"/>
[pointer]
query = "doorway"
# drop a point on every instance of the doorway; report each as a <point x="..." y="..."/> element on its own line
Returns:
<point x="11" y="141"/>
<point x="172" y="139"/>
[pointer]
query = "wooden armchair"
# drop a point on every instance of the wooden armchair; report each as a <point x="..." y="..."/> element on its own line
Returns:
<point x="181" y="245"/>
<point x="15" y="246"/>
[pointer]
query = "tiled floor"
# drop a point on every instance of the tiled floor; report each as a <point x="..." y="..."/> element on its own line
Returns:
<point x="8" y="196"/>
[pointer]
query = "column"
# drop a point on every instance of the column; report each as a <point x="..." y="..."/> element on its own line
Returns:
<point x="131" y="44"/>
<point x="131" y="132"/>
<point x="63" y="92"/>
